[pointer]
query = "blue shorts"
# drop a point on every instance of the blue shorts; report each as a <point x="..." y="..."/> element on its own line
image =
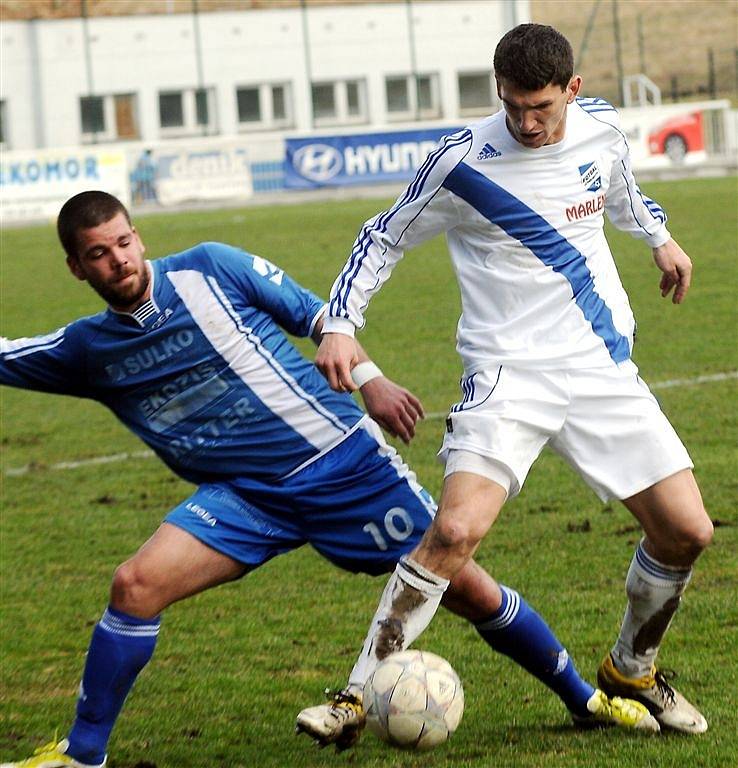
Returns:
<point x="359" y="505"/>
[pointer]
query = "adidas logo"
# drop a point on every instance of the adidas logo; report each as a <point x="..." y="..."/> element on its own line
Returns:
<point x="488" y="152"/>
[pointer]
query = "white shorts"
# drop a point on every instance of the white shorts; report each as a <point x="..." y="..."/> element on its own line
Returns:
<point x="604" y="421"/>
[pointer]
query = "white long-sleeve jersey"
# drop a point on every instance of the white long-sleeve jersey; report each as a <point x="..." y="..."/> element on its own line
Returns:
<point x="525" y="230"/>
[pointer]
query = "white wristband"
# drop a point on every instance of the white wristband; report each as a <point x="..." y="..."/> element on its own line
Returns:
<point x="364" y="372"/>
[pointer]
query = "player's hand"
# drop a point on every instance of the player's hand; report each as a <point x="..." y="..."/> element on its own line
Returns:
<point x="677" y="270"/>
<point x="394" y="408"/>
<point x="335" y="358"/>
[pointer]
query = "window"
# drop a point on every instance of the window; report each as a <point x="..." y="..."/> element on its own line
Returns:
<point x="171" y="114"/>
<point x="113" y="117"/>
<point x="324" y="101"/>
<point x="187" y="113"/>
<point x="93" y="115"/>
<point x="3" y="124"/>
<point x="412" y="98"/>
<point x="425" y="93"/>
<point x="202" y="107"/>
<point x="475" y="93"/>
<point x="263" y="106"/>
<point x="249" y="105"/>
<point x="126" y="123"/>
<point x="353" y="104"/>
<point x="398" y="94"/>
<point x="339" y="102"/>
<point x="279" y="104"/>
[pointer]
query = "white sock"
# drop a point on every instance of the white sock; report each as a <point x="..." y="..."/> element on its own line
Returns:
<point x="654" y="592"/>
<point x="408" y="603"/>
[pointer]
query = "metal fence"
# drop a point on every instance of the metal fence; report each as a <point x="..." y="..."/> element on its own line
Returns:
<point x="686" y="47"/>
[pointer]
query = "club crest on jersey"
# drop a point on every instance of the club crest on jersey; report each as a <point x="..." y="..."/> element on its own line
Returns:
<point x="591" y="177"/>
<point x="488" y="152"/>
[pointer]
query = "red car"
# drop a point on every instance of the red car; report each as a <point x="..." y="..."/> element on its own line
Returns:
<point x="677" y="136"/>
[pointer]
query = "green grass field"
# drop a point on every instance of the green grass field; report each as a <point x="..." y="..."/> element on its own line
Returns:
<point x="234" y="666"/>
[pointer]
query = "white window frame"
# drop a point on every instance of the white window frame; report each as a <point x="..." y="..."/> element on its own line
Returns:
<point x="480" y="110"/>
<point x="190" y="126"/>
<point x="340" y="98"/>
<point x="266" y="107"/>
<point x="109" y="133"/>
<point x="413" y="112"/>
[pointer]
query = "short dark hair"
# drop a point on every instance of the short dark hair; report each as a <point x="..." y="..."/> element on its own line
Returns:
<point x="531" y="56"/>
<point x="84" y="211"/>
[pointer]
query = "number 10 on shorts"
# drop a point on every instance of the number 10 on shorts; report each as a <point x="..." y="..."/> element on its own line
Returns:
<point x="398" y="525"/>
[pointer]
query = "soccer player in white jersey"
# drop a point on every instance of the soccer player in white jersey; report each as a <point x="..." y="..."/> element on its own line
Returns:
<point x="190" y="356"/>
<point x="545" y="336"/>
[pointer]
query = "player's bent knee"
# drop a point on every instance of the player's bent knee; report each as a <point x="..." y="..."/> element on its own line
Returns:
<point x="701" y="534"/>
<point x="685" y="544"/>
<point x="696" y="534"/>
<point x="454" y="534"/>
<point x="132" y="593"/>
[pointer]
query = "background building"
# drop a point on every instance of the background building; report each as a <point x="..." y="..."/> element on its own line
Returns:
<point x="268" y="67"/>
<point x="166" y="102"/>
<point x="105" y="70"/>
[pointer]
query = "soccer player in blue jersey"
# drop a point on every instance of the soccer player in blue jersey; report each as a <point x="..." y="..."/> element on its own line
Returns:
<point x="191" y="356"/>
<point x="545" y="335"/>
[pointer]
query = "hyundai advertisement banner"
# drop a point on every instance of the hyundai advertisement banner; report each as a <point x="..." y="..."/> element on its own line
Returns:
<point x="366" y="158"/>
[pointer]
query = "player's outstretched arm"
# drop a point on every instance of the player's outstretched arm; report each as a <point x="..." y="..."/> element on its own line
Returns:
<point x="337" y="355"/>
<point x="676" y="267"/>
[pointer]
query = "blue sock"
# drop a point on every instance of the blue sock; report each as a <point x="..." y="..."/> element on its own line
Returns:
<point x="516" y="630"/>
<point x="121" y="646"/>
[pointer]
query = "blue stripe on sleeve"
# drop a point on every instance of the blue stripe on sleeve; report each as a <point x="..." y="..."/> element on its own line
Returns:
<point x="658" y="215"/>
<point x="525" y="225"/>
<point x="653" y="207"/>
<point x="592" y="110"/>
<point x="595" y="105"/>
<point x="361" y="247"/>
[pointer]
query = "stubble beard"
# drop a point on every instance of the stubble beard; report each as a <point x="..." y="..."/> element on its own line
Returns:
<point x="126" y="298"/>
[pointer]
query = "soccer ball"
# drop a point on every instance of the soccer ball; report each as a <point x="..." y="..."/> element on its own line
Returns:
<point x="413" y="700"/>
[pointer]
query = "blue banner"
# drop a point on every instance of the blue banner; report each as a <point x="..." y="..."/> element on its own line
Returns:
<point x="366" y="158"/>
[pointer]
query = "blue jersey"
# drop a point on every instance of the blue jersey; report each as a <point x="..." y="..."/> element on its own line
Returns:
<point x="202" y="372"/>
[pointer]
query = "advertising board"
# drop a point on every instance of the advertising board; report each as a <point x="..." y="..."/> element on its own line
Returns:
<point x="355" y="159"/>
<point x="35" y="183"/>
<point x="175" y="173"/>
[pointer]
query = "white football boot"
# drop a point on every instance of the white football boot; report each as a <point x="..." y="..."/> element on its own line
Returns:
<point x="655" y="691"/>
<point x="339" y="721"/>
